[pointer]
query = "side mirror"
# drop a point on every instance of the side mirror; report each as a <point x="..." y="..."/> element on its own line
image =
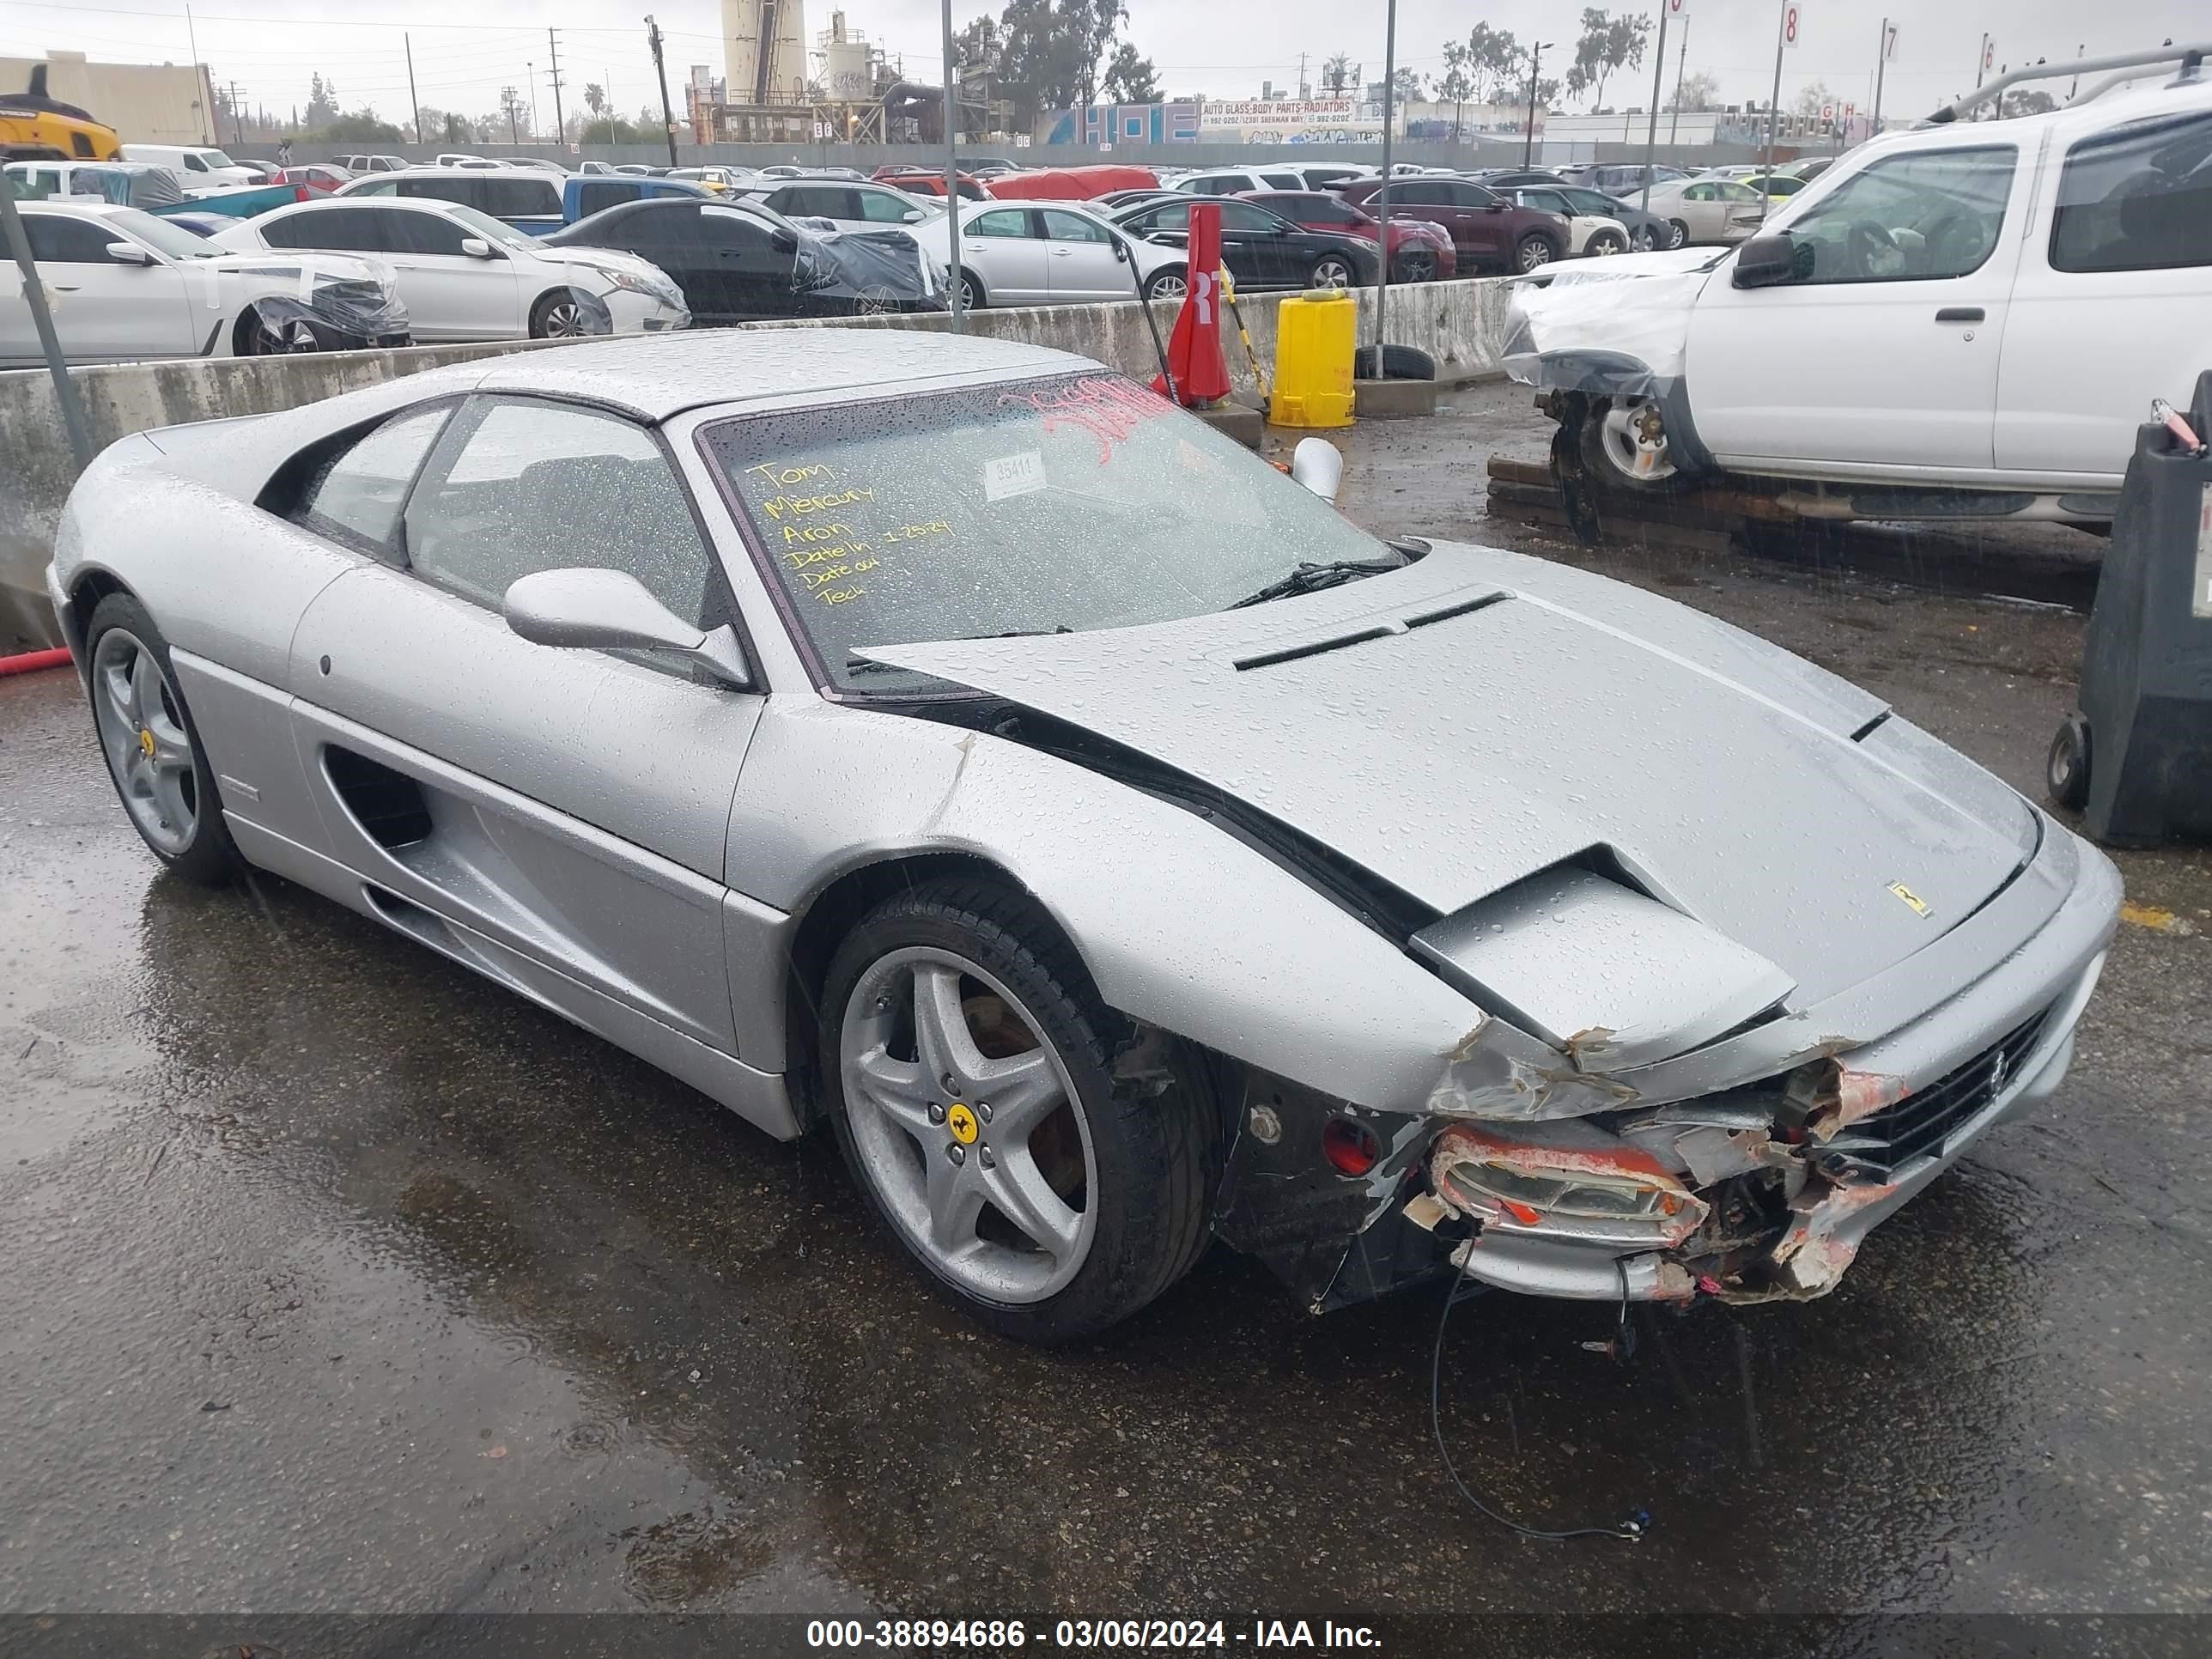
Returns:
<point x="1494" y="207"/>
<point x="129" y="253"/>
<point x="782" y="240"/>
<point x="1765" y="261"/>
<point x="1318" y="465"/>
<point x="912" y="217"/>
<point x="475" y="247"/>
<point x="611" y="610"/>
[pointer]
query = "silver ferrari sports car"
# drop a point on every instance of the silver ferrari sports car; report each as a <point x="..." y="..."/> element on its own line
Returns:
<point x="948" y="741"/>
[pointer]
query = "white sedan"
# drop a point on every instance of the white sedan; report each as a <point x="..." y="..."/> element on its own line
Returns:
<point x="125" y="286"/>
<point x="466" y="275"/>
<point x="1707" y="211"/>
<point x="1037" y="254"/>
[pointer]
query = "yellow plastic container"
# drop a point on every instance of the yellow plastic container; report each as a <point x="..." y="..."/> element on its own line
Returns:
<point x="1314" y="334"/>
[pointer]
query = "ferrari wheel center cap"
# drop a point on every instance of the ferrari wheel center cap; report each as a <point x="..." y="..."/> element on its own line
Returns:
<point x="962" y="1121"/>
<point x="145" y="742"/>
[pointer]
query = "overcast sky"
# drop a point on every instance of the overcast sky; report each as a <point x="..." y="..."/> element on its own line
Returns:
<point x="1226" y="48"/>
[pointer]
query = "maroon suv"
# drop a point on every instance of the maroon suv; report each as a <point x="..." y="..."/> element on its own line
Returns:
<point x="1487" y="231"/>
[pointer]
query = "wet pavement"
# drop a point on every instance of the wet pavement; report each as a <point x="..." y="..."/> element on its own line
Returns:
<point x="338" y="1278"/>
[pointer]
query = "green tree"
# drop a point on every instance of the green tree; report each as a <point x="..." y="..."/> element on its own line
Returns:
<point x="595" y="98"/>
<point x="2028" y="101"/>
<point x="1131" y="79"/>
<point x="1811" y="98"/>
<point x="1456" y="84"/>
<point x="361" y="126"/>
<point x="1406" y="87"/>
<point x="1337" y="72"/>
<point x="1495" y="63"/>
<point x="1044" y="54"/>
<point x="322" y="104"/>
<point x="1697" y="92"/>
<point x="1606" y="43"/>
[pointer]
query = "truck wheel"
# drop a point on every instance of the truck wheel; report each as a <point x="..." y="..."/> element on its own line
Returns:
<point x="1625" y="446"/>
<point x="2067" y="770"/>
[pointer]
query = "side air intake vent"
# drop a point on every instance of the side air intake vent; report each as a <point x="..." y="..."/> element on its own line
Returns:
<point x="387" y="804"/>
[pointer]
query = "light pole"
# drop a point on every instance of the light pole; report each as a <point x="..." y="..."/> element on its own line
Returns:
<point x="1651" y="128"/>
<point x="952" y="171"/>
<point x="1528" y="133"/>
<point x="1383" y="199"/>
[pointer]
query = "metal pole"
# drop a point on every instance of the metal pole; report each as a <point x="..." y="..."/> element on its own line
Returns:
<point x="1682" y="58"/>
<point x="1651" y="130"/>
<point x="952" y="173"/>
<point x="1774" y="107"/>
<point x="1528" y="131"/>
<point x="237" y="120"/>
<point x="415" y="103"/>
<point x="1880" y="69"/>
<point x="11" y="222"/>
<point x="660" y="68"/>
<point x="1382" y="198"/>
<point x="192" y="35"/>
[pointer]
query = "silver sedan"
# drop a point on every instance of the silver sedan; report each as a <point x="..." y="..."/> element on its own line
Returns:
<point x="947" y="743"/>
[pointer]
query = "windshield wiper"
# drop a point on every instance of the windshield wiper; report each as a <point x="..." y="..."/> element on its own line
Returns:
<point x="1312" y="578"/>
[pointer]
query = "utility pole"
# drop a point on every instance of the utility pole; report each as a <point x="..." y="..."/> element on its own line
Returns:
<point x="1651" y="127"/>
<point x="1681" y="59"/>
<point x="1529" y="132"/>
<point x="237" y="120"/>
<point x="414" y="103"/>
<point x="560" y="121"/>
<point x="952" y="175"/>
<point x="192" y="35"/>
<point x="1880" y="69"/>
<point x="1302" y="76"/>
<point x="530" y="69"/>
<point x="660" y="68"/>
<point x="2075" y="88"/>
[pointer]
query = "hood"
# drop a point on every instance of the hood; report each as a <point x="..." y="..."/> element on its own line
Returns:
<point x="1481" y="717"/>
<point x="1632" y="306"/>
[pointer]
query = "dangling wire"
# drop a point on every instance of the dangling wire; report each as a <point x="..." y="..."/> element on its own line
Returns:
<point x="1628" y="1531"/>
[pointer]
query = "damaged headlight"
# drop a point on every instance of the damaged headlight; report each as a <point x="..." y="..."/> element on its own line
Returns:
<point x="652" y="287"/>
<point x="1567" y="1182"/>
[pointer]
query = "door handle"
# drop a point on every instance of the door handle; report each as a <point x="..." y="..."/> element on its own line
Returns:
<point x="1060" y="252"/>
<point x="1962" y="314"/>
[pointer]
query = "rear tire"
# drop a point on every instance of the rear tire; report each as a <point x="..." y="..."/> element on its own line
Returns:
<point x="1170" y="283"/>
<point x="1417" y="267"/>
<point x="1678" y="234"/>
<point x="1332" y="271"/>
<point x="972" y="295"/>
<point x="1116" y="1174"/>
<point x="1533" y="253"/>
<point x="153" y="751"/>
<point x="2066" y="772"/>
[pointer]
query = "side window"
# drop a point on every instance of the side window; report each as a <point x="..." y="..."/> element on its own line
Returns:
<point x="1908" y="218"/>
<point x="1176" y="216"/>
<point x="1060" y="226"/>
<point x="515" y="199"/>
<point x="301" y="230"/>
<point x="356" y="495"/>
<point x="519" y="486"/>
<point x="1418" y="195"/>
<point x="728" y="228"/>
<point x="426" y="233"/>
<point x="58" y="240"/>
<point x="1000" y="222"/>
<point x="381" y="187"/>
<point x="439" y="189"/>
<point x="2138" y="197"/>
<point x="1281" y="180"/>
<point x="81" y="146"/>
<point x="881" y="207"/>
<point x="593" y="194"/>
<point x="1244" y="215"/>
<point x="193" y="164"/>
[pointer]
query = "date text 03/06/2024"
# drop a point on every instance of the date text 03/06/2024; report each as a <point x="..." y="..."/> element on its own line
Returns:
<point x="1141" y="1634"/>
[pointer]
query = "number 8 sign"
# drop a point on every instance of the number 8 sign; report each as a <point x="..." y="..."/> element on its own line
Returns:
<point x="1792" y="16"/>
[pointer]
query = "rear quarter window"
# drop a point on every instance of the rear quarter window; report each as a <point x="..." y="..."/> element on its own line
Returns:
<point x="2138" y="197"/>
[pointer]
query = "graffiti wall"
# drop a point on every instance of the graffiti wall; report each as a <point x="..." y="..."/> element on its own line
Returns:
<point x="1217" y="121"/>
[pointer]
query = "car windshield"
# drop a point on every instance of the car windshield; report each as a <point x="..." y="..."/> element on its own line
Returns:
<point x="162" y="237"/>
<point x="1068" y="504"/>
<point x="495" y="231"/>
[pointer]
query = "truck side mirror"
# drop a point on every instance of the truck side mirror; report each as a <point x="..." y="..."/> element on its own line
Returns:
<point x="1765" y="261"/>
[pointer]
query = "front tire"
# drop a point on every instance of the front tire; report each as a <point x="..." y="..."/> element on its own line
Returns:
<point x="1603" y="246"/>
<point x="968" y="1072"/>
<point x="153" y="751"/>
<point x="1625" y="446"/>
<point x="1678" y="234"/>
<point x="972" y="296"/>
<point x="2066" y="770"/>
<point x="559" y="316"/>
<point x="1170" y="283"/>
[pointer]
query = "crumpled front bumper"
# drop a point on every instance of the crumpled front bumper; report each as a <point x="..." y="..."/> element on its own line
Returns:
<point x="1821" y="1198"/>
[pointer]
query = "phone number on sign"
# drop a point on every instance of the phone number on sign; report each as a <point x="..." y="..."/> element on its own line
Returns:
<point x="1000" y="1633"/>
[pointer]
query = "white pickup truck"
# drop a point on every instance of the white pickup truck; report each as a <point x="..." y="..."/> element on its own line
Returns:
<point x="1963" y="319"/>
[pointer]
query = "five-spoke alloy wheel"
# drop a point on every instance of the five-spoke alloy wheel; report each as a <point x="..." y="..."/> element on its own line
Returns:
<point x="146" y="736"/>
<point x="976" y="1085"/>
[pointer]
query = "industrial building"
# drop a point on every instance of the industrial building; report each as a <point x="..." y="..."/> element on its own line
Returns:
<point x="147" y="103"/>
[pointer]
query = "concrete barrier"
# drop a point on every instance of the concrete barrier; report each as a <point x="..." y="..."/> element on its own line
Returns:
<point x="1453" y="322"/>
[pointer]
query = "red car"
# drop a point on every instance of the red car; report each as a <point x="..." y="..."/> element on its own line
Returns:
<point x="1420" y="251"/>
<point x="316" y="179"/>
<point x="1486" y="230"/>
